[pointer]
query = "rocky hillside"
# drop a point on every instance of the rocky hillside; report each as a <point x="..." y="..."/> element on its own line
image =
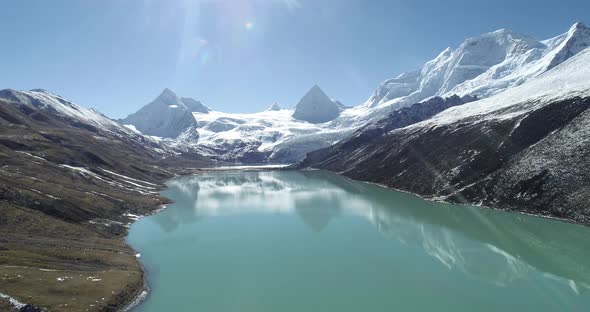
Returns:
<point x="525" y="149"/>
<point x="395" y="120"/>
<point x="70" y="182"/>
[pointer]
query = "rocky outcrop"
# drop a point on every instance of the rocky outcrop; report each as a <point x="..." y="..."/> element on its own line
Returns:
<point x="397" y="119"/>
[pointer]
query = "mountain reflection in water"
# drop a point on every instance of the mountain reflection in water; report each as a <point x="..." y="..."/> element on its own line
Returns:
<point x="459" y="237"/>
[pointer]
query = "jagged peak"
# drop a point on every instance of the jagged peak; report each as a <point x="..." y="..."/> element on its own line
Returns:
<point x="576" y="40"/>
<point x="578" y="25"/>
<point x="445" y="54"/>
<point x="315" y="92"/>
<point x="578" y="30"/>
<point x="45" y="91"/>
<point x="40" y="90"/>
<point x="316" y="107"/>
<point x="167" y="93"/>
<point x="194" y="105"/>
<point x="315" y="89"/>
<point x="501" y="36"/>
<point x="167" y="98"/>
<point x="274" y="107"/>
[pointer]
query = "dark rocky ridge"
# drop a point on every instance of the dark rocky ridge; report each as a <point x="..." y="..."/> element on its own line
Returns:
<point x="395" y="120"/>
<point x="538" y="162"/>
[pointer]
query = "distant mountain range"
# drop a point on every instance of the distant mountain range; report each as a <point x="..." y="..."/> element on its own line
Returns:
<point x="480" y="67"/>
<point x="527" y="148"/>
<point x="501" y="121"/>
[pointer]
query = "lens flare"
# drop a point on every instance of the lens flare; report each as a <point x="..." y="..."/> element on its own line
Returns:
<point x="249" y="25"/>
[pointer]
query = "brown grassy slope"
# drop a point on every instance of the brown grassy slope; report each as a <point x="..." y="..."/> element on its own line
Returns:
<point x="61" y="229"/>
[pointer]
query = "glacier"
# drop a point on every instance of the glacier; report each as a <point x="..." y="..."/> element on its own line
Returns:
<point x="482" y="66"/>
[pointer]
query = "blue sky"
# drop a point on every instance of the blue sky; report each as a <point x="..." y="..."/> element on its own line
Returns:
<point x="242" y="55"/>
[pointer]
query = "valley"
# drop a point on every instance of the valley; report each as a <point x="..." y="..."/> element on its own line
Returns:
<point x="501" y="121"/>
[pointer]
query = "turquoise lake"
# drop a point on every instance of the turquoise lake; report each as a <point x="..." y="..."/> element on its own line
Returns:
<point x="262" y="241"/>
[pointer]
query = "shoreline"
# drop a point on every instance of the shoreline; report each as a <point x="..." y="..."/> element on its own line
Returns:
<point x="143" y="293"/>
<point x="437" y="199"/>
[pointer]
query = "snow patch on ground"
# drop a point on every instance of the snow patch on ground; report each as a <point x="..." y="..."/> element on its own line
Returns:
<point x="13" y="302"/>
<point x="123" y="182"/>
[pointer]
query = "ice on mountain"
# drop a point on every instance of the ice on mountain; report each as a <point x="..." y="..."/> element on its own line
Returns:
<point x="167" y="116"/>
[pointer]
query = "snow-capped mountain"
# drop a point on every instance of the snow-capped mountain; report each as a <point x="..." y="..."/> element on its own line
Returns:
<point x="316" y="107"/>
<point x="76" y="115"/>
<point x="89" y="119"/>
<point x="274" y="135"/>
<point x="53" y="103"/>
<point x="481" y="66"/>
<point x="167" y="116"/>
<point x="525" y="148"/>
<point x="274" y="107"/>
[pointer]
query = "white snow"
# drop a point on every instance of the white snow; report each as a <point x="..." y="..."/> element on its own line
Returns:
<point x="67" y="108"/>
<point x="56" y="104"/>
<point x="128" y="178"/>
<point x="166" y="116"/>
<point x="485" y="66"/>
<point x="570" y="79"/>
<point x="482" y="66"/>
<point x="123" y="182"/>
<point x="13" y="302"/>
<point x="265" y="129"/>
<point x="133" y="217"/>
<point x="31" y="155"/>
<point x="132" y="128"/>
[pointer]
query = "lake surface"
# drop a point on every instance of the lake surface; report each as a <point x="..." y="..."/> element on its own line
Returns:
<point x="314" y="241"/>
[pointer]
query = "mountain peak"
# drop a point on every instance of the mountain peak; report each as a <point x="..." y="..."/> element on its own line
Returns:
<point x="274" y="107"/>
<point x="502" y="31"/>
<point x="194" y="105"/>
<point x="578" y="25"/>
<point x="40" y="90"/>
<point x="166" y="116"/>
<point x="576" y="40"/>
<point x="167" y="93"/>
<point x="316" y="107"/>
